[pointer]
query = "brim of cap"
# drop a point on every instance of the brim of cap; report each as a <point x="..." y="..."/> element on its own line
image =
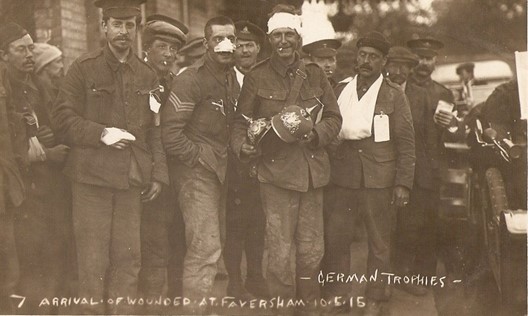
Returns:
<point x="414" y="62"/>
<point x="171" y="39"/>
<point x="426" y="52"/>
<point x="121" y="13"/>
<point x="324" y="52"/>
<point x="281" y="131"/>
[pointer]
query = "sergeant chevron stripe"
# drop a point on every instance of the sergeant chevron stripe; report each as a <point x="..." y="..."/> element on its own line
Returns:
<point x="178" y="105"/>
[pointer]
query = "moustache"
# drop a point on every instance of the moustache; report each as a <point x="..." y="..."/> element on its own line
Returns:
<point x="122" y="38"/>
<point x="365" y="67"/>
<point x="422" y="67"/>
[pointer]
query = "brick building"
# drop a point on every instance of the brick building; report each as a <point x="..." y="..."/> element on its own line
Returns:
<point x="74" y="25"/>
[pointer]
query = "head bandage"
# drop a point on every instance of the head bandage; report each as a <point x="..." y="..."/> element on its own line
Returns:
<point x="283" y="19"/>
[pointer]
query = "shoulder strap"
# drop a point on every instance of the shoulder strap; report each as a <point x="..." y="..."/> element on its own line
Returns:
<point x="300" y="75"/>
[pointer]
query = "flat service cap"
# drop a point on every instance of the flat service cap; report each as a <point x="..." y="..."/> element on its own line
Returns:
<point x="165" y="28"/>
<point x="120" y="8"/>
<point x="322" y="48"/>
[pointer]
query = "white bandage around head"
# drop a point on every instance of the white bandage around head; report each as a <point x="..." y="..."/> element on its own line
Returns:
<point x="283" y="19"/>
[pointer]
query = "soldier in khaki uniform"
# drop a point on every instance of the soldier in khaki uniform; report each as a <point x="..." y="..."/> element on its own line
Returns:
<point x="116" y="161"/>
<point x="291" y="175"/>
<point x="195" y="136"/>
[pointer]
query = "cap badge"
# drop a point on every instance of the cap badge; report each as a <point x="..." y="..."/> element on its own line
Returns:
<point x="245" y="30"/>
<point x="291" y="121"/>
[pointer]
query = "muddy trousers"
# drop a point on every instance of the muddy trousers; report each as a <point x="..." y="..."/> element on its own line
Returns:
<point x="201" y="198"/>
<point x="293" y="219"/>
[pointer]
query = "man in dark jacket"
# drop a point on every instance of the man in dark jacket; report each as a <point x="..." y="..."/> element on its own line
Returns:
<point x="195" y="136"/>
<point x="416" y="225"/>
<point x="162" y="38"/>
<point x="291" y="175"/>
<point x="116" y="161"/>
<point x="245" y="220"/>
<point x="448" y="128"/>
<point x="40" y="221"/>
<point x="372" y="169"/>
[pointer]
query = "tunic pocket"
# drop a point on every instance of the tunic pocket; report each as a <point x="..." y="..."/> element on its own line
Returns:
<point x="99" y="102"/>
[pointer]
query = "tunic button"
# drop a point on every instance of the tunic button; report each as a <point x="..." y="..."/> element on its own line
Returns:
<point x="271" y="97"/>
<point x="360" y="150"/>
<point x="272" y="160"/>
<point x="313" y="156"/>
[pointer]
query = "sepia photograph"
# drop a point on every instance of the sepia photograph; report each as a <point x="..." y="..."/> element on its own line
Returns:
<point x="263" y="157"/>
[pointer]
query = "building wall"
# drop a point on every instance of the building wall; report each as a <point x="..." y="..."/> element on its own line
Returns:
<point x="75" y="25"/>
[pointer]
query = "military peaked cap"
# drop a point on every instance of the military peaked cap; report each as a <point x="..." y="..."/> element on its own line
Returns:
<point x="426" y="46"/>
<point x="9" y="33"/>
<point x="120" y="8"/>
<point x="248" y="31"/>
<point x="322" y="48"/>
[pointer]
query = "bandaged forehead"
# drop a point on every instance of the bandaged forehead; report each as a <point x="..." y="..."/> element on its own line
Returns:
<point x="282" y="20"/>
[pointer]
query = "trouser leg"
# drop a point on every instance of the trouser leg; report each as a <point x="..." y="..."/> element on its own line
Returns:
<point x="281" y="208"/>
<point x="178" y="249"/>
<point x="378" y="215"/>
<point x="255" y="234"/>
<point x="309" y="240"/>
<point x="92" y="225"/>
<point x="426" y="258"/>
<point x="125" y="248"/>
<point x="341" y="215"/>
<point x="155" y="221"/>
<point x="236" y="228"/>
<point x="200" y="197"/>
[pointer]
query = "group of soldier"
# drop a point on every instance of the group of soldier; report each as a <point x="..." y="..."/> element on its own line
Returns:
<point x="129" y="179"/>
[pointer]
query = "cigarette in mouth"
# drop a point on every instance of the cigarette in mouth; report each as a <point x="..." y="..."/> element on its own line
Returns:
<point x="280" y="49"/>
<point x="165" y="63"/>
